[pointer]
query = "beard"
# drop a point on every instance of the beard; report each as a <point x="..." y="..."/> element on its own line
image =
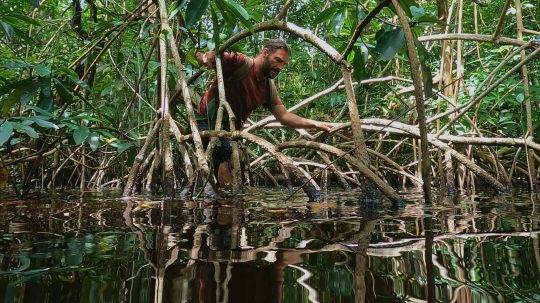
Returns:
<point x="267" y="71"/>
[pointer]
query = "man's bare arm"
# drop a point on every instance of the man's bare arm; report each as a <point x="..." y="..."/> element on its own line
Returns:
<point x="294" y="121"/>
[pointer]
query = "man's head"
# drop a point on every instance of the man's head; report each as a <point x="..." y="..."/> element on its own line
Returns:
<point x="275" y="55"/>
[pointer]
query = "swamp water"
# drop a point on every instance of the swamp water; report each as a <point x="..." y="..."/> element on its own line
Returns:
<point x="96" y="247"/>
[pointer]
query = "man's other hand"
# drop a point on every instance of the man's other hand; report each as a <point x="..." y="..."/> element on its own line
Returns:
<point x="206" y="58"/>
<point x="324" y="126"/>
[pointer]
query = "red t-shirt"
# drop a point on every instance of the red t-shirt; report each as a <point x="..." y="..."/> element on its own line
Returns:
<point x="245" y="94"/>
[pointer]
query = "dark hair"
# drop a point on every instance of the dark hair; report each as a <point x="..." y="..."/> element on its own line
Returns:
<point x="274" y="44"/>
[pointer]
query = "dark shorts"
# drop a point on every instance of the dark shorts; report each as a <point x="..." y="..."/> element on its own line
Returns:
<point x="223" y="148"/>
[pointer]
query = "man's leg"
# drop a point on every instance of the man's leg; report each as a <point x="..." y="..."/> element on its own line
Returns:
<point x="221" y="159"/>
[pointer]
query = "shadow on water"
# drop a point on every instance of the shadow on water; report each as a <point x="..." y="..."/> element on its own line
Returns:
<point x="95" y="247"/>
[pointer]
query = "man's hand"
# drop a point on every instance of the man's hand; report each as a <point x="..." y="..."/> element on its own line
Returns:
<point x="206" y="58"/>
<point x="324" y="126"/>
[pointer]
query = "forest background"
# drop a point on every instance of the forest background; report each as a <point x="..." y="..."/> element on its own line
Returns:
<point x="100" y="93"/>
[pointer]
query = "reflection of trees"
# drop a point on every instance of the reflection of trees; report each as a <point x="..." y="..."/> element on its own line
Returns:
<point x="175" y="253"/>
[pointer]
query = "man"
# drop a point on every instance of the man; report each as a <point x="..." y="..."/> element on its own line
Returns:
<point x="248" y="85"/>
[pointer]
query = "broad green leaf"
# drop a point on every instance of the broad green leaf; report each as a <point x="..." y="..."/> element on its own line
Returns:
<point x="6" y="130"/>
<point x="45" y="95"/>
<point x="240" y="12"/>
<point x="121" y="147"/>
<point x="42" y="70"/>
<point x="7" y="29"/>
<point x="20" y="17"/>
<point x="431" y="19"/>
<point x="41" y="121"/>
<point x="43" y="112"/>
<point x="194" y="11"/>
<point x="71" y="125"/>
<point x="14" y="64"/>
<point x="229" y="17"/>
<point x="11" y="86"/>
<point x="25" y="129"/>
<point x="63" y="91"/>
<point x="338" y="21"/>
<point x="93" y="141"/>
<point x="389" y="43"/>
<point x="14" y="97"/>
<point x="325" y="15"/>
<point x="80" y="134"/>
<point x="520" y="97"/>
<point x="359" y="62"/>
<point x="417" y="12"/>
<point x="29" y="93"/>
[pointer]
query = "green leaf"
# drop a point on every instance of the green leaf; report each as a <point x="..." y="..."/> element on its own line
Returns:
<point x="14" y="64"/>
<point x="93" y="141"/>
<point x="338" y="21"/>
<point x="417" y="12"/>
<point x="42" y="70"/>
<point x="325" y="15"/>
<point x="121" y="147"/>
<point x="6" y="130"/>
<point x="15" y="96"/>
<point x="520" y="98"/>
<point x="10" y="86"/>
<point x="240" y="12"/>
<point x="63" y="91"/>
<point x="229" y="17"/>
<point x="45" y="95"/>
<point x="25" y="129"/>
<point x="41" y="121"/>
<point x="80" y="134"/>
<point x="215" y="26"/>
<point x="194" y="11"/>
<point x="43" y="112"/>
<point x="7" y="29"/>
<point x="29" y="93"/>
<point x="389" y="43"/>
<point x="16" y="17"/>
<point x="359" y="62"/>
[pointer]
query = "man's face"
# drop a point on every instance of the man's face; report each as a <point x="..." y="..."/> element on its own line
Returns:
<point x="273" y="63"/>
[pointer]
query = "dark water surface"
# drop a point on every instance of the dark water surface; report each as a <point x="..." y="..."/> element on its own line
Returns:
<point x="96" y="247"/>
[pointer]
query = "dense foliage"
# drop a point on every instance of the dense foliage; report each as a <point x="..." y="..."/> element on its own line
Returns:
<point x="79" y="80"/>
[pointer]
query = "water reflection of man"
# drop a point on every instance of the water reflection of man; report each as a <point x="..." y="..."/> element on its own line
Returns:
<point x="225" y="273"/>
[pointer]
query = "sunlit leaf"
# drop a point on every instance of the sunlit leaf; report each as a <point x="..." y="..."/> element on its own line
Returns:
<point x="240" y="12"/>
<point x="93" y="140"/>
